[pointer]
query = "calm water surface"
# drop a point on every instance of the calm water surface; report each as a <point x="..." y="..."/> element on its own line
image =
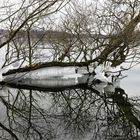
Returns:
<point x="78" y="113"/>
<point x="131" y="84"/>
<point x="74" y="113"/>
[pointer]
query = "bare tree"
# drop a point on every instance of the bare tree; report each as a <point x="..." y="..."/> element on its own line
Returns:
<point x="18" y="24"/>
<point x="106" y="33"/>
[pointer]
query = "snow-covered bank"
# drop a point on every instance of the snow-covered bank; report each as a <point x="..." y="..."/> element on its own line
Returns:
<point x="49" y="77"/>
<point x="57" y="77"/>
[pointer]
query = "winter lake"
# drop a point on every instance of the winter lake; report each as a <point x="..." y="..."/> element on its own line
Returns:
<point x="69" y="70"/>
<point x="71" y="113"/>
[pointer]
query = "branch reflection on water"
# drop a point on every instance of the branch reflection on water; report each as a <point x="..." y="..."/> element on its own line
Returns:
<point x="77" y="113"/>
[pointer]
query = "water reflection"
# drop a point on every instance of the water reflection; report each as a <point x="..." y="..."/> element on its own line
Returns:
<point x="78" y="113"/>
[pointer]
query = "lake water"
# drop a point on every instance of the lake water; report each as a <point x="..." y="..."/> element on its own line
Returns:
<point x="72" y="113"/>
<point x="131" y="84"/>
<point x="77" y="113"/>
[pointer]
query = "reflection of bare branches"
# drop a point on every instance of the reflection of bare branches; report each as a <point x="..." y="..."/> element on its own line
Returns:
<point x="25" y="119"/>
<point x="125" y="106"/>
<point x="76" y="113"/>
<point x="9" y="131"/>
<point x="84" y="109"/>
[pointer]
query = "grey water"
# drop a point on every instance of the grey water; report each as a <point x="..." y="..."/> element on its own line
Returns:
<point x="71" y="113"/>
<point x="131" y="83"/>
